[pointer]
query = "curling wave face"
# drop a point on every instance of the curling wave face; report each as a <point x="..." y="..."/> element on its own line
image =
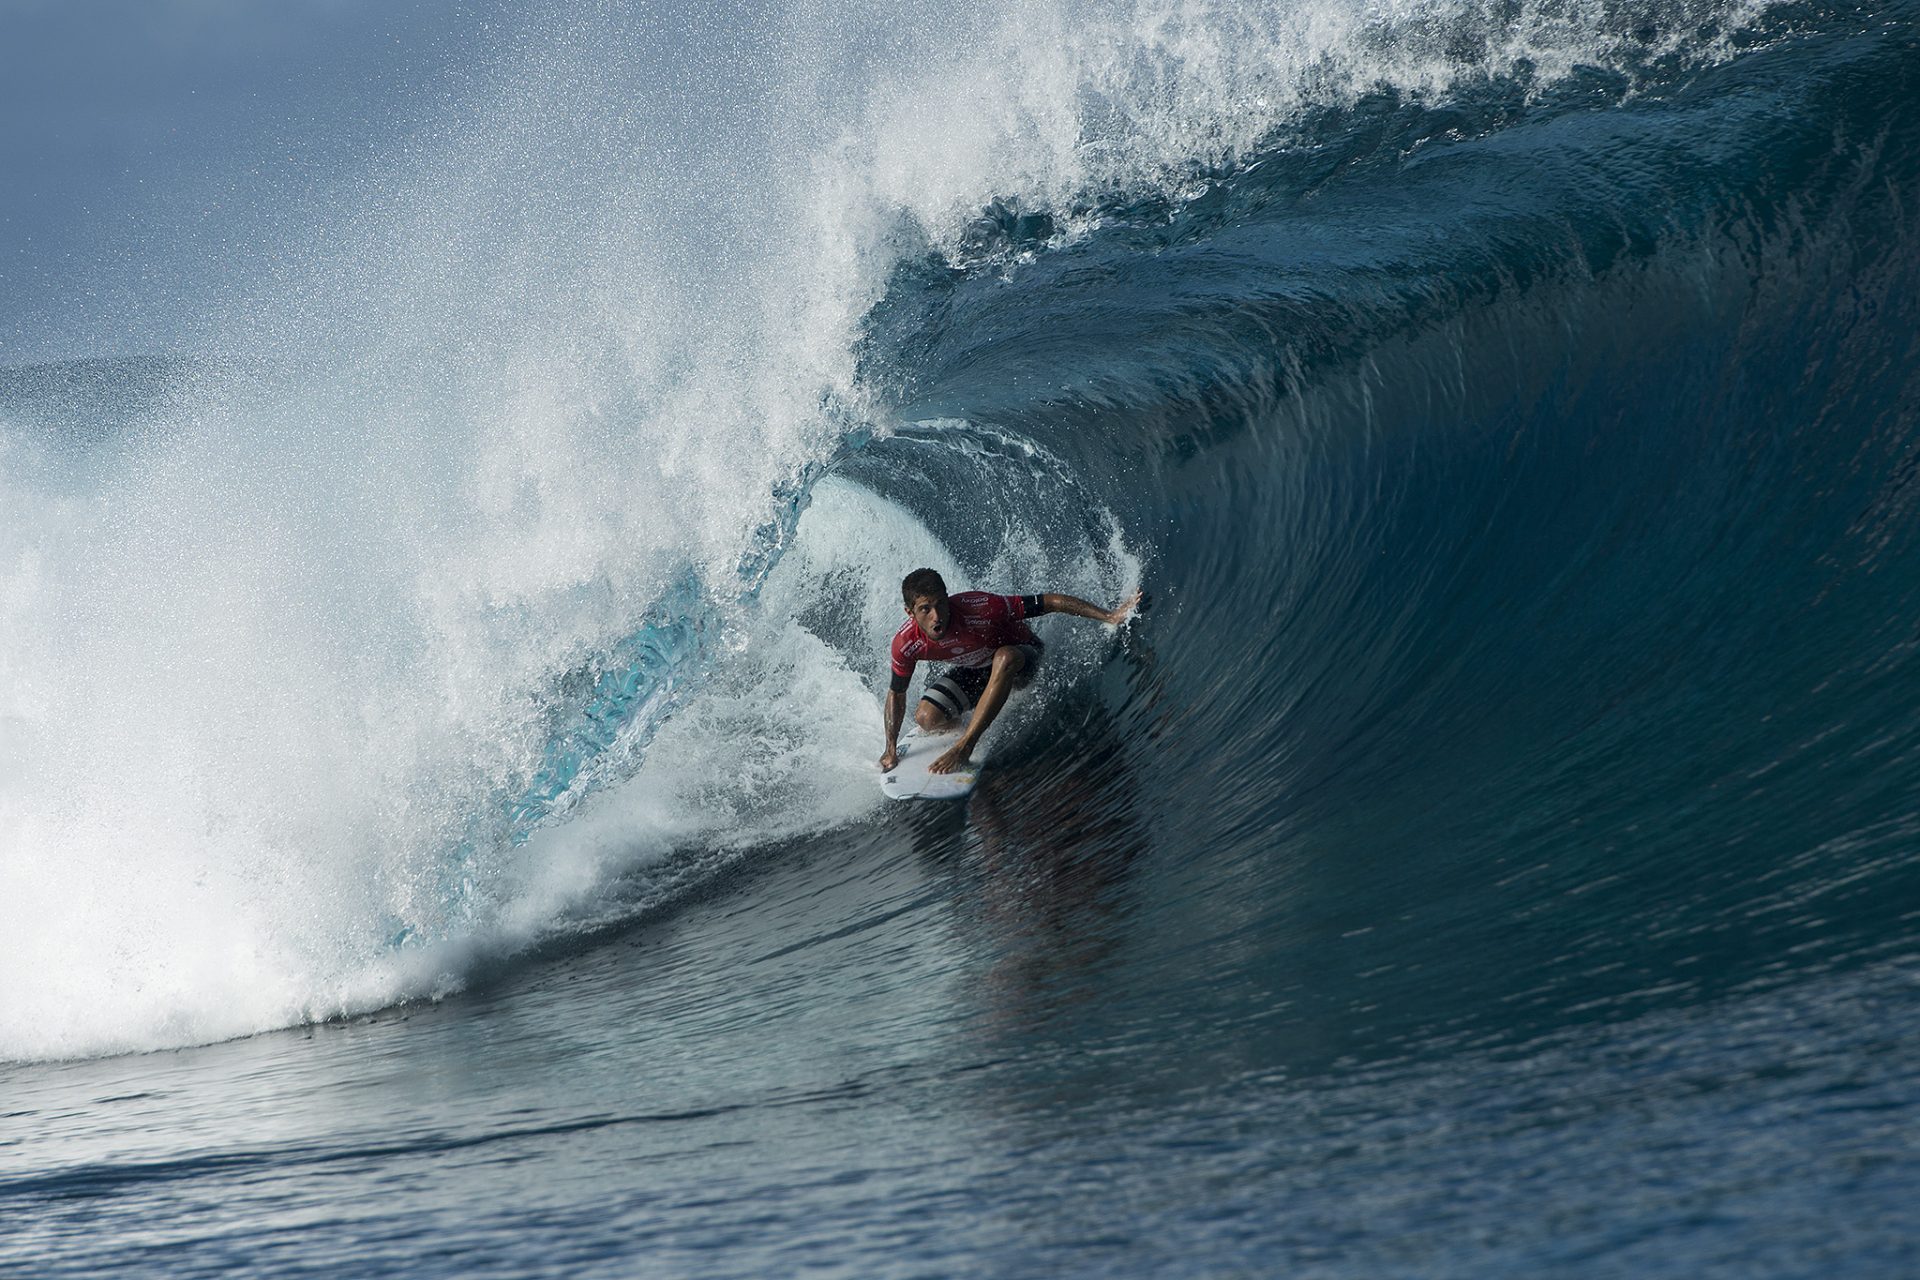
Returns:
<point x="1429" y="358"/>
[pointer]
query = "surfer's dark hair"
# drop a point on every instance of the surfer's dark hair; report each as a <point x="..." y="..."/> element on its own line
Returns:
<point x="922" y="582"/>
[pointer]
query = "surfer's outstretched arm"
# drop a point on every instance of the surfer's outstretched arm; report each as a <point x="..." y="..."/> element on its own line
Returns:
<point x="1057" y="603"/>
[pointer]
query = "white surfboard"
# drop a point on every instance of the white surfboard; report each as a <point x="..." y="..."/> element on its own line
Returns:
<point x="909" y="779"/>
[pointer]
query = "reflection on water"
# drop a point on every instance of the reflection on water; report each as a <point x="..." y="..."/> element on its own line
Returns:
<point x="1044" y="851"/>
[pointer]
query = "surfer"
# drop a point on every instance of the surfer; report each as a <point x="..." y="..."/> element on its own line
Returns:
<point x="989" y="649"/>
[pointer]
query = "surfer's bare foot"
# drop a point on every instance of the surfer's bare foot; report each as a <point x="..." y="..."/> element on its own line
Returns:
<point x="957" y="756"/>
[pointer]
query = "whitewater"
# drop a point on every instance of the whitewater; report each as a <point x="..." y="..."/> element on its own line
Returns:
<point x="453" y="496"/>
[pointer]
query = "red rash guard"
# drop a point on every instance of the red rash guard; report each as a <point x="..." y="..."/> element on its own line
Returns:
<point x="978" y="622"/>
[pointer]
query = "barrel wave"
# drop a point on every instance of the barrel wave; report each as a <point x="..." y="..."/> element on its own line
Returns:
<point x="1497" y="848"/>
<point x="1533" y="507"/>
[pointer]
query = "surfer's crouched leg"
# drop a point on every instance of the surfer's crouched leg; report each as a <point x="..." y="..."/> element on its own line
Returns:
<point x="947" y="699"/>
<point x="931" y="718"/>
<point x="944" y="701"/>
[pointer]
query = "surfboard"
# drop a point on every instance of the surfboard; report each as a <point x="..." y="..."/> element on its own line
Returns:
<point x="909" y="779"/>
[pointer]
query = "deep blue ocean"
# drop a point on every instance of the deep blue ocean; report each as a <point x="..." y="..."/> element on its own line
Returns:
<point x="452" y="506"/>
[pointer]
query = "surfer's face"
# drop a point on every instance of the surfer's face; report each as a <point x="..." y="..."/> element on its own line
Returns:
<point x="930" y="615"/>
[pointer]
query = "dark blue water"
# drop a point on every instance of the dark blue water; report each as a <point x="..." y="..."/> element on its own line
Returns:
<point x="1497" y="852"/>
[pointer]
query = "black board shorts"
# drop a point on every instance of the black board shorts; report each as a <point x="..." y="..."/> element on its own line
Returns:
<point x="956" y="689"/>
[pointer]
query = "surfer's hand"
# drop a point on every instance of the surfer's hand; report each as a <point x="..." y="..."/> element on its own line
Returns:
<point x="889" y="758"/>
<point x="1127" y="608"/>
<point x="957" y="756"/>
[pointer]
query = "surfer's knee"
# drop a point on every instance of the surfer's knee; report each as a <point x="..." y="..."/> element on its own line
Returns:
<point x="928" y="716"/>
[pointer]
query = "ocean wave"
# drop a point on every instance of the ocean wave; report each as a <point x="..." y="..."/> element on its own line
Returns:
<point x="1416" y="352"/>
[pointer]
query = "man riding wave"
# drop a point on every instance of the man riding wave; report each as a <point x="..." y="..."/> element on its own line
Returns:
<point x="989" y="649"/>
